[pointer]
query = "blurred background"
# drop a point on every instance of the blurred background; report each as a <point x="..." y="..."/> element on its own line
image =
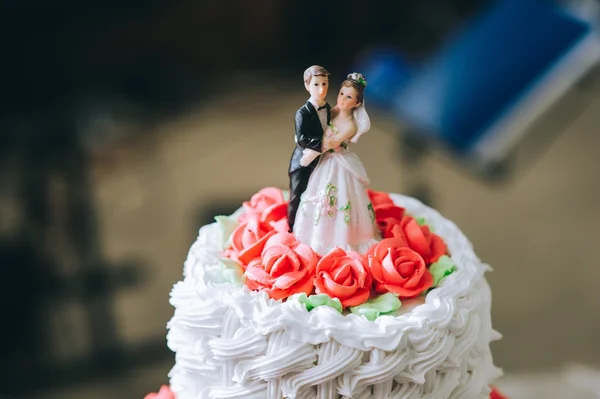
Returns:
<point x="126" y="125"/>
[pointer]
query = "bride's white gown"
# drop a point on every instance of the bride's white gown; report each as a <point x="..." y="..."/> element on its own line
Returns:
<point x="335" y="210"/>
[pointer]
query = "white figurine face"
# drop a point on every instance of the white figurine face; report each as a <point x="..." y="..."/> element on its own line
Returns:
<point x="347" y="98"/>
<point x="318" y="87"/>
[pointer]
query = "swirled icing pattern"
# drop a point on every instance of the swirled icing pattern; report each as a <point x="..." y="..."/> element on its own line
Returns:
<point x="231" y="342"/>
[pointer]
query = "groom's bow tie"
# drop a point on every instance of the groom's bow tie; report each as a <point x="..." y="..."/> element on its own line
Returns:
<point x="324" y="106"/>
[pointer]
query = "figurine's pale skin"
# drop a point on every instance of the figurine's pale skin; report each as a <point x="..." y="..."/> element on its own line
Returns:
<point x="317" y="87"/>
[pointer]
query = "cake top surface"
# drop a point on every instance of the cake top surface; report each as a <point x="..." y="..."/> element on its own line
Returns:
<point x="214" y="272"/>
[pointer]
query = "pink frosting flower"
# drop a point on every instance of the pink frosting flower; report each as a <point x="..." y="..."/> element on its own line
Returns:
<point x="248" y="241"/>
<point x="275" y="217"/>
<point x="344" y="276"/>
<point x="286" y="267"/>
<point x="261" y="202"/>
<point x="269" y="207"/>
<point x="164" y="393"/>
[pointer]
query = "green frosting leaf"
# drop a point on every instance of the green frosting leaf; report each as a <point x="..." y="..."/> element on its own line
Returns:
<point x="441" y="269"/>
<point x="286" y="195"/>
<point x="386" y="303"/>
<point x="367" y="310"/>
<point x="421" y="221"/>
<point x="299" y="297"/>
<point x="226" y="226"/>
<point x="229" y="271"/>
<point x="317" y="300"/>
<point x="382" y="305"/>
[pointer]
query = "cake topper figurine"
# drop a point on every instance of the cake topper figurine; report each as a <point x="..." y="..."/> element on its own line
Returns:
<point x="310" y="122"/>
<point x="334" y="209"/>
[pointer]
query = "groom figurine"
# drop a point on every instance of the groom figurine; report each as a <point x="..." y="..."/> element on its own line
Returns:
<point x="311" y="123"/>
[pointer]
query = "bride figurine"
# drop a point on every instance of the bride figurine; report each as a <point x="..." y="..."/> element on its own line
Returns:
<point x="335" y="209"/>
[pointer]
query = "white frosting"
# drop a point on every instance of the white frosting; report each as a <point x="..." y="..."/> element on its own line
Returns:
<point x="231" y="342"/>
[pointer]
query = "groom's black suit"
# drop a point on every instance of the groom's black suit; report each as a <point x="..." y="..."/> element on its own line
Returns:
<point x="309" y="134"/>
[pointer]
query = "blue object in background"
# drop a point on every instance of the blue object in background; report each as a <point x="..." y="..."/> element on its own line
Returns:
<point x="488" y="84"/>
<point x="387" y="73"/>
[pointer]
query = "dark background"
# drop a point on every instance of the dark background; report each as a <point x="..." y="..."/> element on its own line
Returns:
<point x="84" y="86"/>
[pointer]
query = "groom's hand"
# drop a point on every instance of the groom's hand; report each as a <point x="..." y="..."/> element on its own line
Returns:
<point x="308" y="156"/>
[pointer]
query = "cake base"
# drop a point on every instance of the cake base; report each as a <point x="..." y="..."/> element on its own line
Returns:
<point x="232" y="342"/>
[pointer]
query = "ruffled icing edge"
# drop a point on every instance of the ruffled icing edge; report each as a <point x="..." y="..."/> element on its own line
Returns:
<point x="445" y="308"/>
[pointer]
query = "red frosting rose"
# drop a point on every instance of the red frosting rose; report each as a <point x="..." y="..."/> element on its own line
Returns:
<point x="248" y="241"/>
<point x="344" y="276"/>
<point x="398" y="269"/>
<point x="164" y="393"/>
<point x="286" y="267"/>
<point x="387" y="214"/>
<point x="384" y="206"/>
<point x="275" y="217"/>
<point x="495" y="394"/>
<point x="261" y="202"/>
<point x="387" y="225"/>
<point x="420" y="239"/>
<point x="379" y="197"/>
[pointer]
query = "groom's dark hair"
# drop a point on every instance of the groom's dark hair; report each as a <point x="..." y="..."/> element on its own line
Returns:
<point x="315" y="70"/>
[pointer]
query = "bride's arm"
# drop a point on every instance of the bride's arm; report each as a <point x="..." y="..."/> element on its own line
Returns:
<point x="330" y="140"/>
<point x="342" y="136"/>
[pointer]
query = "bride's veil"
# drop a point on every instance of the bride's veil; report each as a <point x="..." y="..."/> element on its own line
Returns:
<point x="363" y="123"/>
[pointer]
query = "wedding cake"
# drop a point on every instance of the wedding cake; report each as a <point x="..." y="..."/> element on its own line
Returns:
<point x="259" y="314"/>
<point x="331" y="290"/>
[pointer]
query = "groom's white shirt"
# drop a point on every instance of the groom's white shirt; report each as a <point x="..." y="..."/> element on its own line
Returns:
<point x="322" y="115"/>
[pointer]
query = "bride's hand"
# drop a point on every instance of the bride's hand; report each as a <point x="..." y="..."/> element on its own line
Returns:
<point x="329" y="144"/>
<point x="329" y="132"/>
<point x="304" y="160"/>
